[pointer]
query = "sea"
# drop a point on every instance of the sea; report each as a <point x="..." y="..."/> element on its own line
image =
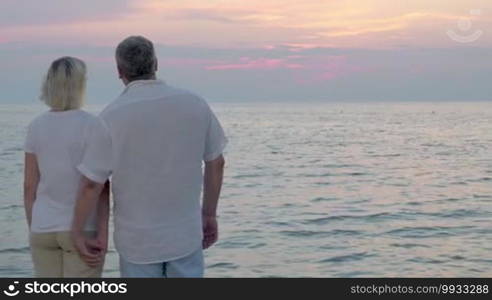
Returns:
<point x="376" y="189"/>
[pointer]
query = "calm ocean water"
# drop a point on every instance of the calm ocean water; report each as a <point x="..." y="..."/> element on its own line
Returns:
<point x="325" y="190"/>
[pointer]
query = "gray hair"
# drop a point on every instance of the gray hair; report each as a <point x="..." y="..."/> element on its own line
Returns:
<point x="63" y="87"/>
<point x="136" y="58"/>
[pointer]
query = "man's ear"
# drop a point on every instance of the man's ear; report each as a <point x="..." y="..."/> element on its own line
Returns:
<point x="119" y="72"/>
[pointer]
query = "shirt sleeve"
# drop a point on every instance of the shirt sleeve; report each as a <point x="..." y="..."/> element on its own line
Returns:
<point x="97" y="159"/>
<point x="30" y="142"/>
<point x="216" y="140"/>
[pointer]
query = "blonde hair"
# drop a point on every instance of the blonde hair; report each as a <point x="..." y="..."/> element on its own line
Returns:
<point x="64" y="85"/>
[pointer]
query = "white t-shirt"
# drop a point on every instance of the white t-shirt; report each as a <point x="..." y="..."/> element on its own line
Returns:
<point x="57" y="140"/>
<point x="153" y="140"/>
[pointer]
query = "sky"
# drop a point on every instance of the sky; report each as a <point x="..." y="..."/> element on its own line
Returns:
<point x="260" y="50"/>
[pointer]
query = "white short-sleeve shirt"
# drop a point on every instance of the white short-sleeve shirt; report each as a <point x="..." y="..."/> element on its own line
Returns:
<point x="58" y="140"/>
<point x="152" y="141"/>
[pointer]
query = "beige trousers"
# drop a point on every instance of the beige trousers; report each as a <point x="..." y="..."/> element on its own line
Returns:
<point x="54" y="255"/>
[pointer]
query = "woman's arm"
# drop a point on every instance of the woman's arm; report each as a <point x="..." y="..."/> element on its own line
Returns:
<point x="31" y="181"/>
<point x="103" y="217"/>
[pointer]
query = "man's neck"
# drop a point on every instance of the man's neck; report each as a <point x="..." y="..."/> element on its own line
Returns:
<point x="127" y="82"/>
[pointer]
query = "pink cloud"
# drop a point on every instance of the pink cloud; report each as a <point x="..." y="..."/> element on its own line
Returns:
<point x="307" y="70"/>
<point x="189" y="62"/>
<point x="246" y="63"/>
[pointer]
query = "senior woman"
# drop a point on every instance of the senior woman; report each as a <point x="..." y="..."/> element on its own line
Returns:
<point x="54" y="147"/>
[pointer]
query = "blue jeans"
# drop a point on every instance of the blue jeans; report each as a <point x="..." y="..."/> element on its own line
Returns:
<point x="191" y="266"/>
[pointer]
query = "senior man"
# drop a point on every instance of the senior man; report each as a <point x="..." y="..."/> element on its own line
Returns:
<point x="152" y="141"/>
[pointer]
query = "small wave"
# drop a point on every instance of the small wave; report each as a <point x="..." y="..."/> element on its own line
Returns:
<point x="425" y="232"/>
<point x="308" y="175"/>
<point x="423" y="260"/>
<point x="457" y="257"/>
<point x="483" y="179"/>
<point x="247" y="176"/>
<point x="339" y="166"/>
<point x="323" y="199"/>
<point x="444" y="153"/>
<point x="369" y="218"/>
<point x="458" y="183"/>
<point x="481" y="260"/>
<point x="409" y="245"/>
<point x="450" y="200"/>
<point x="355" y="274"/>
<point x="311" y="233"/>
<point x="304" y="233"/>
<point x="345" y="232"/>
<point x="9" y="207"/>
<point x="346" y="258"/>
<point x="476" y="196"/>
<point x="14" y="149"/>
<point x="433" y="145"/>
<point x="385" y="155"/>
<point x="233" y="245"/>
<point x="224" y="265"/>
<point x="356" y="174"/>
<point x="258" y="245"/>
<point x="278" y="223"/>
<point x="461" y="213"/>
<point x="457" y="213"/>
<point x="14" y="250"/>
<point x="7" y="153"/>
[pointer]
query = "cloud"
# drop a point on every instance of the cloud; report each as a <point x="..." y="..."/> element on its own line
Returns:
<point x="17" y="13"/>
<point x="234" y="23"/>
<point x="256" y="49"/>
<point x="252" y="74"/>
<point x="246" y="63"/>
<point x="208" y="14"/>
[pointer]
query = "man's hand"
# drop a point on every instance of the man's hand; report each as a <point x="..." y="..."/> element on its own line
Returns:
<point x="92" y="251"/>
<point x="102" y="243"/>
<point x="210" y="231"/>
<point x="212" y="182"/>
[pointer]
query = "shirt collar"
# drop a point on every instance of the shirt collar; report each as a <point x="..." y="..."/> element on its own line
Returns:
<point x="137" y="83"/>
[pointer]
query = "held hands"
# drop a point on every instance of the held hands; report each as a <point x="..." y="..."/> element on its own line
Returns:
<point x="210" y="231"/>
<point x="91" y="250"/>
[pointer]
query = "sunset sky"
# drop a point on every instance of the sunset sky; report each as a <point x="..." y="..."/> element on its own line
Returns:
<point x="260" y="50"/>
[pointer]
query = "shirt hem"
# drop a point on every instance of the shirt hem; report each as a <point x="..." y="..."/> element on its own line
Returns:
<point x="60" y="230"/>
<point x="214" y="155"/>
<point x="87" y="173"/>
<point x="160" y="260"/>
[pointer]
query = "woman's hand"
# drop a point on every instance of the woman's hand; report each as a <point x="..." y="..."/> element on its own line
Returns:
<point x="102" y="243"/>
<point x="91" y="251"/>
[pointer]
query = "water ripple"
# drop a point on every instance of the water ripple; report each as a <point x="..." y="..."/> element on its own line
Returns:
<point x="347" y="258"/>
<point x="368" y="218"/>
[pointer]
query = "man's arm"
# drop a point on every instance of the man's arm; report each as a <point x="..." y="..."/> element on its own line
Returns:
<point x="103" y="217"/>
<point x="31" y="181"/>
<point x="87" y="198"/>
<point x="212" y="183"/>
